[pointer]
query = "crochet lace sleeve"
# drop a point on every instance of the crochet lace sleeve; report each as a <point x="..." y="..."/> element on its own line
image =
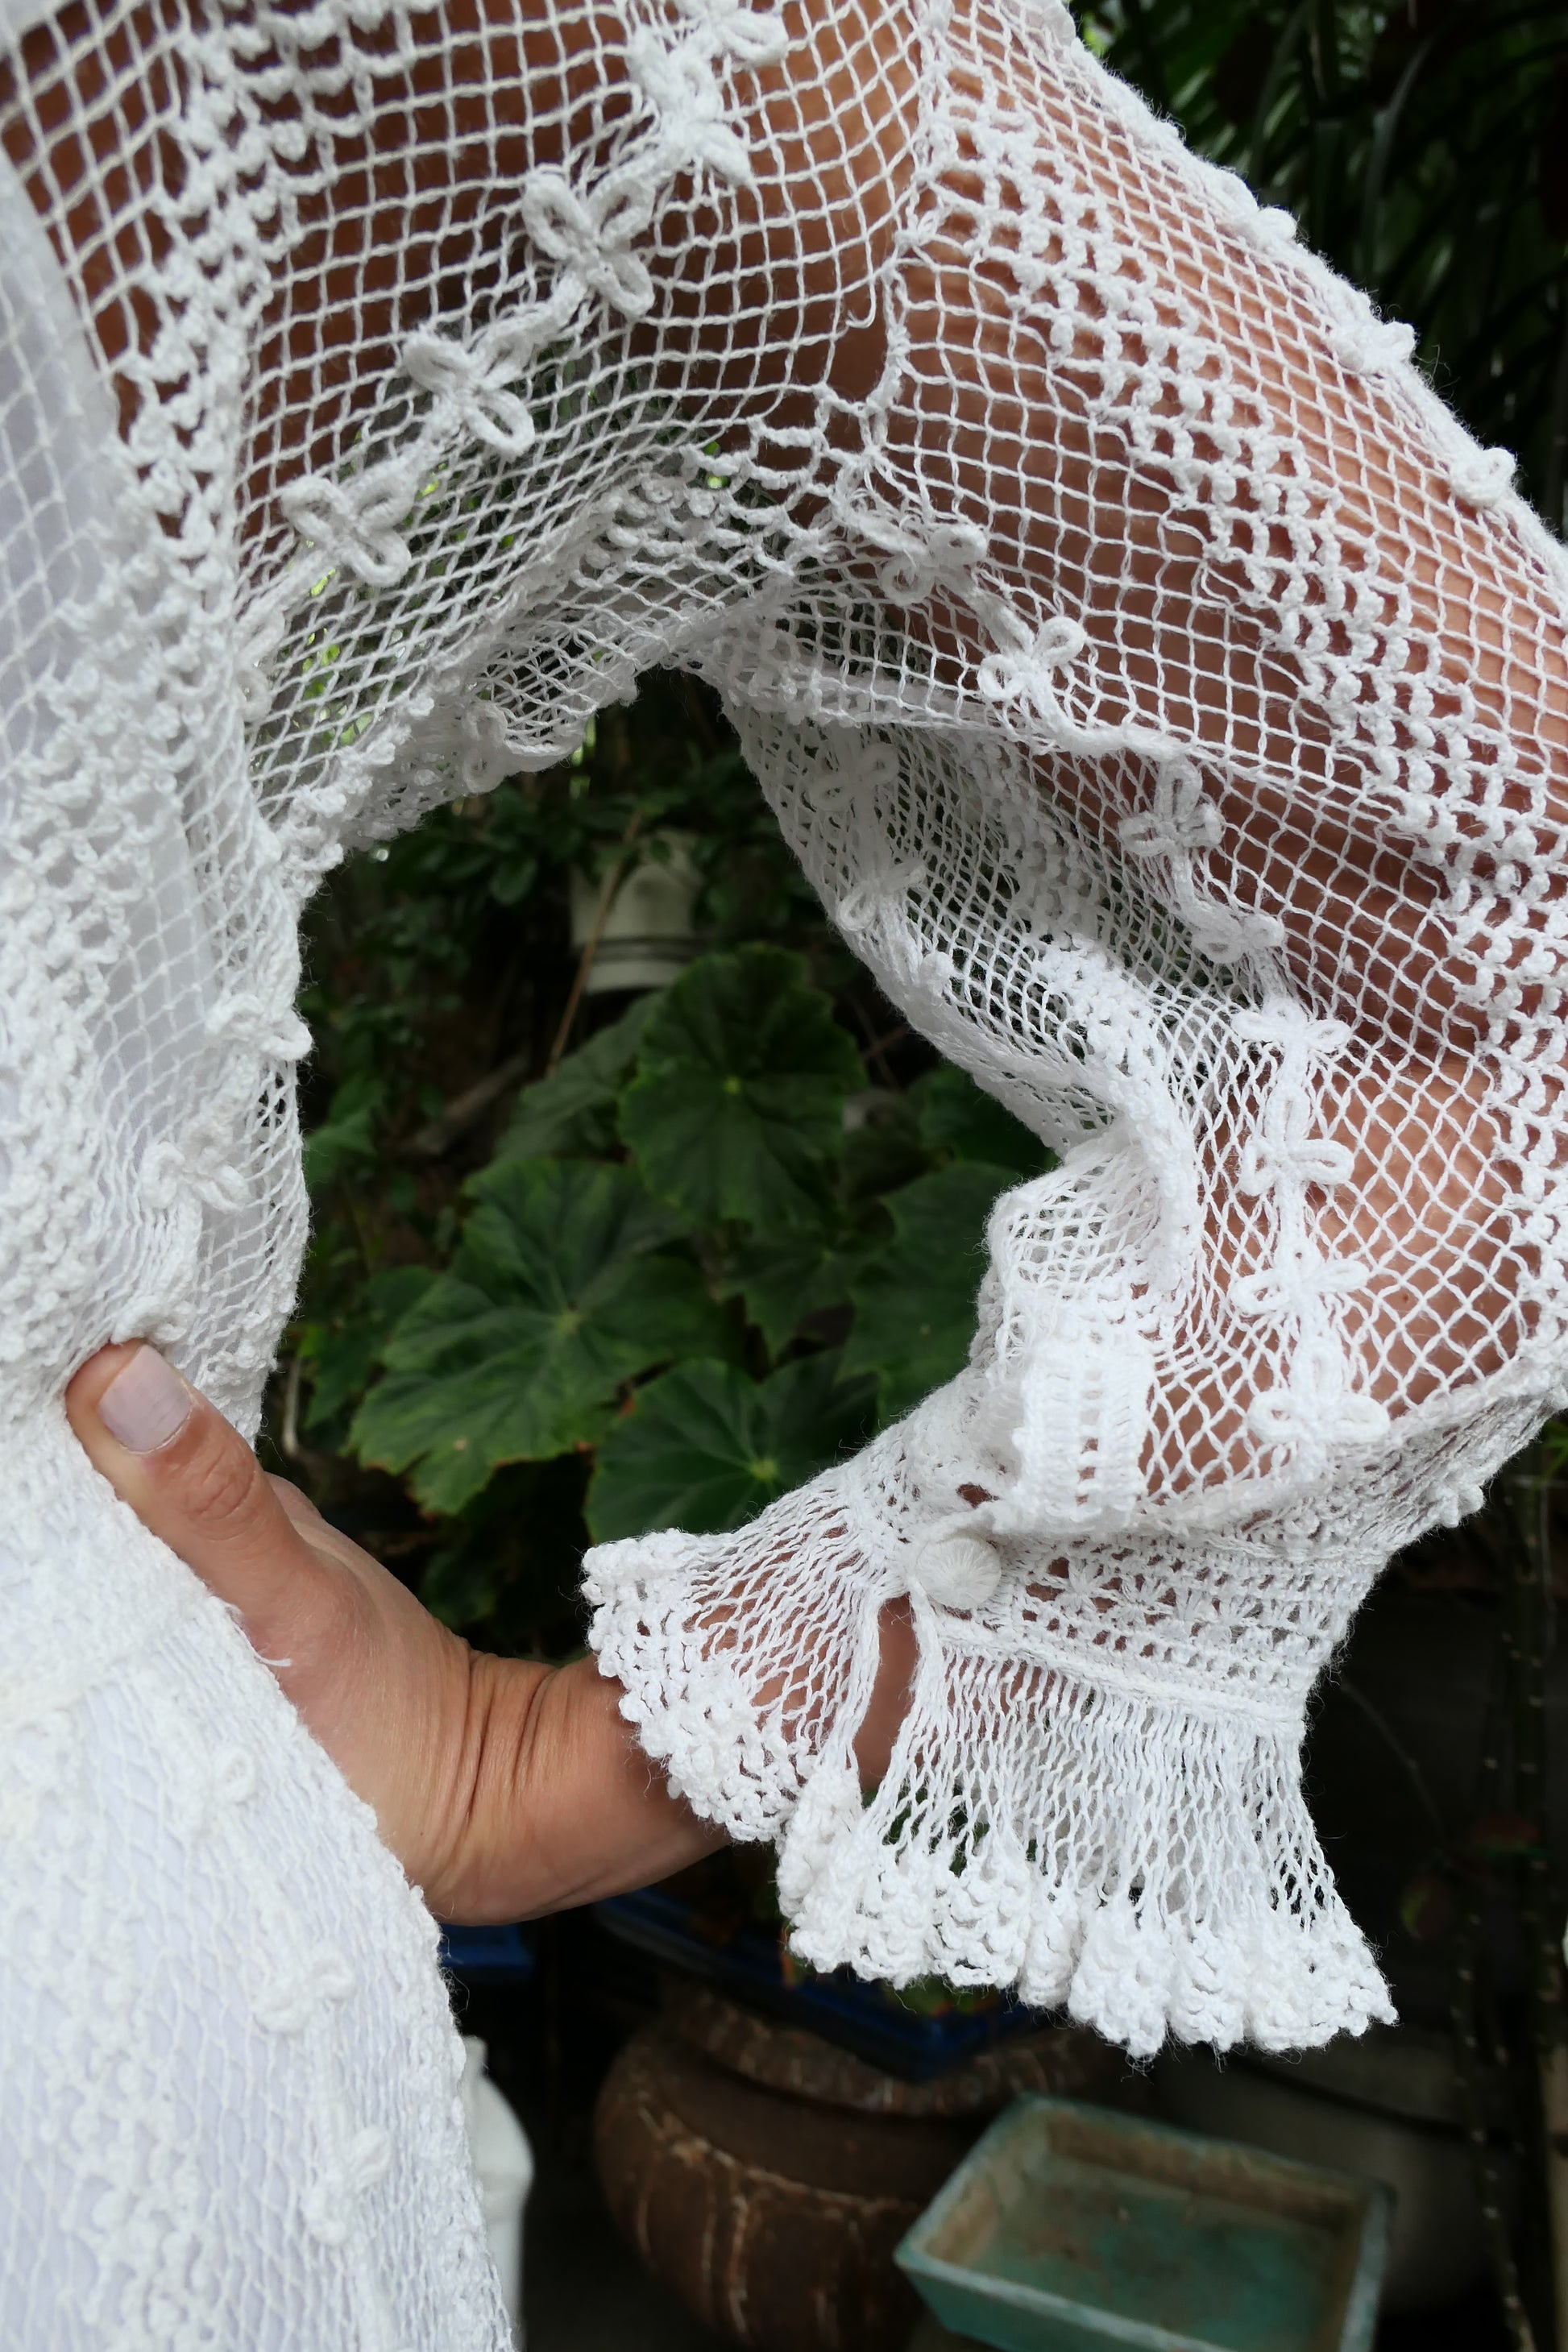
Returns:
<point x="1173" y="715"/>
<point x="1166" y="696"/>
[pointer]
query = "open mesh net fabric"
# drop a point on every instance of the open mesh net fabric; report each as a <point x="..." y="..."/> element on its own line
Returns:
<point x="1169" y="703"/>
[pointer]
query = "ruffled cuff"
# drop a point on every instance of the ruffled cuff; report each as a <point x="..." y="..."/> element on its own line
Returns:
<point x="1147" y="1864"/>
<point x="1095" y="1797"/>
<point x="747" y="1659"/>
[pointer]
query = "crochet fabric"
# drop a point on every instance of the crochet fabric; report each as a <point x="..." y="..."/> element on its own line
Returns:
<point x="1169" y="702"/>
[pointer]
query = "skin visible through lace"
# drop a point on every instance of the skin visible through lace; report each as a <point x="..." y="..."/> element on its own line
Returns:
<point x="998" y="423"/>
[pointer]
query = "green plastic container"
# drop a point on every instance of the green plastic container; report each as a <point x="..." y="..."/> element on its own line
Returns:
<point x="1069" y="2229"/>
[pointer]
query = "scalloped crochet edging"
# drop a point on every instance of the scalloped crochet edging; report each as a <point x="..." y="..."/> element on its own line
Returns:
<point x="1152" y="1869"/>
<point x="1149" y="1865"/>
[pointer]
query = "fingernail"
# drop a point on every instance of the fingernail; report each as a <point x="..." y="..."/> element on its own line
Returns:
<point x="145" y="1404"/>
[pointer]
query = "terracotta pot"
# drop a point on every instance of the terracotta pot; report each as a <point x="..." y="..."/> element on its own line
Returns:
<point x="1064" y="2061"/>
<point x="772" y="2220"/>
<point x="766" y="2177"/>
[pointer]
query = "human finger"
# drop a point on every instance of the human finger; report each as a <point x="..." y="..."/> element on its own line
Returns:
<point x="193" y="1482"/>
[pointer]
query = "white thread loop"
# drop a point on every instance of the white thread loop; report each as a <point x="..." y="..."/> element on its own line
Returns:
<point x="1022" y="669"/>
<point x="1320" y="1403"/>
<point x="593" y="235"/>
<point x="329" y="2206"/>
<point x="681" y="86"/>
<point x="1182" y="822"/>
<point x="1482" y="479"/>
<point x="1371" y="346"/>
<point x="356" y="522"/>
<point x="322" y="1981"/>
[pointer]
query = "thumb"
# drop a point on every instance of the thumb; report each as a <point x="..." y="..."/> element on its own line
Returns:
<point x="193" y="1481"/>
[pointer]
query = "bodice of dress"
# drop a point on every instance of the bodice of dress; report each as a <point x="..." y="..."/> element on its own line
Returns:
<point x="231" y="2076"/>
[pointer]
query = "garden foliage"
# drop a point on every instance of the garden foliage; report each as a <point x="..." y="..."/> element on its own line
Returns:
<point x="741" y="1254"/>
<point x="737" y="1226"/>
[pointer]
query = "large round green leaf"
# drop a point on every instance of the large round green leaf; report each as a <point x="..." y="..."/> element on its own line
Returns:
<point x="564" y="1287"/>
<point x="572" y="1112"/>
<point x="737" y="1108"/>
<point x="914" y="1300"/>
<point x="705" y="1447"/>
<point x="783" y="1278"/>
<point x="343" y="1355"/>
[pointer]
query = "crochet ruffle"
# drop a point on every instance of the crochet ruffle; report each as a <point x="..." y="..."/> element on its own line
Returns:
<point x="1131" y="1844"/>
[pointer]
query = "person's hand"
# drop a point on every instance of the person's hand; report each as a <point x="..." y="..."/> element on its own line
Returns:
<point x="504" y="1788"/>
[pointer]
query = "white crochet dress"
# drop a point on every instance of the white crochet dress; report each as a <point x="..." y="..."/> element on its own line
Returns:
<point x="1170" y="703"/>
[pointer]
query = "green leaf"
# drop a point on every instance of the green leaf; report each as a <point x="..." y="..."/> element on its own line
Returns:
<point x="883" y="1150"/>
<point x="564" y="1287"/>
<point x="705" y="1448"/>
<point x="514" y="878"/>
<point x="914" y="1300"/>
<point x="783" y="1278"/>
<point x="738" y="1105"/>
<point x="460" y="1586"/>
<point x="344" y="1355"/>
<point x="347" y="1134"/>
<point x="957" y="1117"/>
<point x="573" y="1114"/>
<point x="508" y="1566"/>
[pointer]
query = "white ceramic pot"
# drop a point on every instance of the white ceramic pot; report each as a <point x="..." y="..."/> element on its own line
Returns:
<point x="503" y="2166"/>
<point x="645" y="939"/>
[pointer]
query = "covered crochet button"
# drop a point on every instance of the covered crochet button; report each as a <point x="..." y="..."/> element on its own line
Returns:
<point x="958" y="1572"/>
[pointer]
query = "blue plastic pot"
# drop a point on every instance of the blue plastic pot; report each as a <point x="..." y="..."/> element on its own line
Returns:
<point x="1068" y="2229"/>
